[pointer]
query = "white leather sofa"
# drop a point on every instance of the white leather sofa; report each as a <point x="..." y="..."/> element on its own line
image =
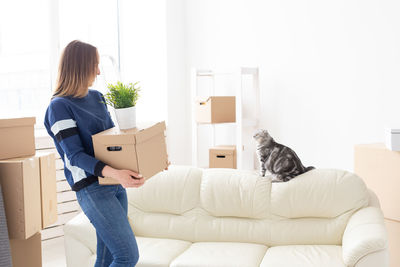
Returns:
<point x="189" y="217"/>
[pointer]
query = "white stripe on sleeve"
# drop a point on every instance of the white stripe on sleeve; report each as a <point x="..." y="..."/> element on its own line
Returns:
<point x="62" y="125"/>
<point x="77" y="173"/>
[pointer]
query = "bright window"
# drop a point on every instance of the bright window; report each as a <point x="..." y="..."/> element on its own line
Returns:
<point x="25" y="79"/>
<point x="33" y="34"/>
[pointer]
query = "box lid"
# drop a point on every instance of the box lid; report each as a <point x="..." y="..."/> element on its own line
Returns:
<point x="147" y="133"/>
<point x="115" y="136"/>
<point x="29" y="159"/>
<point x="226" y="150"/>
<point x="203" y="100"/>
<point x="130" y="136"/>
<point x="14" y="122"/>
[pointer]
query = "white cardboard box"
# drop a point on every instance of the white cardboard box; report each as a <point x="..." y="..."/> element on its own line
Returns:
<point x="392" y="138"/>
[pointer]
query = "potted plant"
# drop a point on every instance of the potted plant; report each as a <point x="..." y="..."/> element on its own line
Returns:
<point x="123" y="97"/>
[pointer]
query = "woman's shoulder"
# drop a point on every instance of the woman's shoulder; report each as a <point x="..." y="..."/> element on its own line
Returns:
<point x="95" y="92"/>
<point x="59" y="101"/>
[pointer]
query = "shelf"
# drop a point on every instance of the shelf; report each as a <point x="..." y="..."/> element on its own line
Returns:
<point x="211" y="74"/>
<point x="245" y="123"/>
<point x="243" y="126"/>
<point x="251" y="71"/>
<point x="216" y="123"/>
<point x="243" y="70"/>
<point x="249" y="122"/>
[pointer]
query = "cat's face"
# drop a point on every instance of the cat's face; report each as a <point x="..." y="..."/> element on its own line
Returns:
<point x="262" y="136"/>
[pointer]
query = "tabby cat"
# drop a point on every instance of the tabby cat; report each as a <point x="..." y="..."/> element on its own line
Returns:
<point x="281" y="161"/>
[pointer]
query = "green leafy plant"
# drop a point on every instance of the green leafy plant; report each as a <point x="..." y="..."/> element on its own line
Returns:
<point x="122" y="95"/>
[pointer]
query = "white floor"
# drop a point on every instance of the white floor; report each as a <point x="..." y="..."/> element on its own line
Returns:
<point x="53" y="253"/>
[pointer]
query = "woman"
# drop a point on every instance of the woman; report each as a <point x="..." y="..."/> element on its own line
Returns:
<point x="76" y="113"/>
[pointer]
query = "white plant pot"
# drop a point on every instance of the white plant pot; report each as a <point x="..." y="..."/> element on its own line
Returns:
<point x="126" y="117"/>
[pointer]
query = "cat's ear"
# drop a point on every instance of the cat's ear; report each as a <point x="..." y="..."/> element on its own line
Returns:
<point x="266" y="133"/>
<point x="257" y="133"/>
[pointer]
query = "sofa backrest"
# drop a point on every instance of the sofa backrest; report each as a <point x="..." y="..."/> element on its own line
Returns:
<point x="240" y="206"/>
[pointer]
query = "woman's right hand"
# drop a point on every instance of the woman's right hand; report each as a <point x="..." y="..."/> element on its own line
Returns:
<point x="129" y="178"/>
<point x="126" y="178"/>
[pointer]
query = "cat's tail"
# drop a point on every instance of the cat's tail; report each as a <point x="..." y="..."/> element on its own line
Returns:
<point x="309" y="168"/>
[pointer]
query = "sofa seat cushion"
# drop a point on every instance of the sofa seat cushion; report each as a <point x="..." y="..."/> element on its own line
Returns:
<point x="159" y="252"/>
<point x="303" y="256"/>
<point x="221" y="254"/>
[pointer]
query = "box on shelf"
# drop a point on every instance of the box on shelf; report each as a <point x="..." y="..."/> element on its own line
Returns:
<point x="222" y="157"/>
<point x="380" y="169"/>
<point x="27" y="252"/>
<point x="216" y="109"/>
<point x="142" y="150"/>
<point x="17" y="137"/>
<point x="48" y="188"/>
<point x="392" y="138"/>
<point x="20" y="182"/>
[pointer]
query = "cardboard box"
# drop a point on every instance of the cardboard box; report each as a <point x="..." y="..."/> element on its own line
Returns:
<point x="20" y="182"/>
<point x="17" y="137"/>
<point x="142" y="150"/>
<point x="216" y="109"/>
<point x="222" y="157"/>
<point x="27" y="253"/>
<point x="393" y="229"/>
<point x="48" y="188"/>
<point x="379" y="167"/>
<point x="5" y="252"/>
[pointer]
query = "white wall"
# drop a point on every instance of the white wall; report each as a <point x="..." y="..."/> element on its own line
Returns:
<point x="330" y="70"/>
<point x="144" y="55"/>
<point x="178" y="135"/>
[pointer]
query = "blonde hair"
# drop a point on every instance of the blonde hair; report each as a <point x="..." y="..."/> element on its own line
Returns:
<point x="78" y="66"/>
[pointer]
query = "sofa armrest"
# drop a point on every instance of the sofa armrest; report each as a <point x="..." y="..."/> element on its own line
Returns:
<point x="365" y="233"/>
<point x="77" y="254"/>
<point x="80" y="240"/>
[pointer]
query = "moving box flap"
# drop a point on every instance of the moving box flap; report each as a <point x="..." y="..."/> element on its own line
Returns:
<point x="115" y="136"/>
<point x="150" y="132"/>
<point x="17" y="122"/>
<point x="21" y="160"/>
<point x="202" y="100"/>
<point x="152" y="156"/>
<point x="223" y="99"/>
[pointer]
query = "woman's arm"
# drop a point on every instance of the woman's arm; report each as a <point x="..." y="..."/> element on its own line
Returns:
<point x="61" y="123"/>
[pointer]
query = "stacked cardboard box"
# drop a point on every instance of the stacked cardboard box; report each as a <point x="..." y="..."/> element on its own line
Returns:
<point x="222" y="157"/>
<point x="216" y="109"/>
<point x="141" y="149"/>
<point x="17" y="137"/>
<point x="27" y="252"/>
<point x="379" y="167"/>
<point x="20" y="181"/>
<point x="29" y="190"/>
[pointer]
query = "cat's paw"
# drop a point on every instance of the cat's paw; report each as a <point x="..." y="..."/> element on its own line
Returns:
<point x="275" y="179"/>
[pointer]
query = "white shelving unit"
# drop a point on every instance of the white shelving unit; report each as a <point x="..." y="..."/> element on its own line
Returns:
<point x="247" y="111"/>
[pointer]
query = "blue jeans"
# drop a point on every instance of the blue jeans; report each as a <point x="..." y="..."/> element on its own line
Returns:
<point x="106" y="206"/>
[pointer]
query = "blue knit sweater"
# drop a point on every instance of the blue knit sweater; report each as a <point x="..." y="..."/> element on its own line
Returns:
<point x="71" y="122"/>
